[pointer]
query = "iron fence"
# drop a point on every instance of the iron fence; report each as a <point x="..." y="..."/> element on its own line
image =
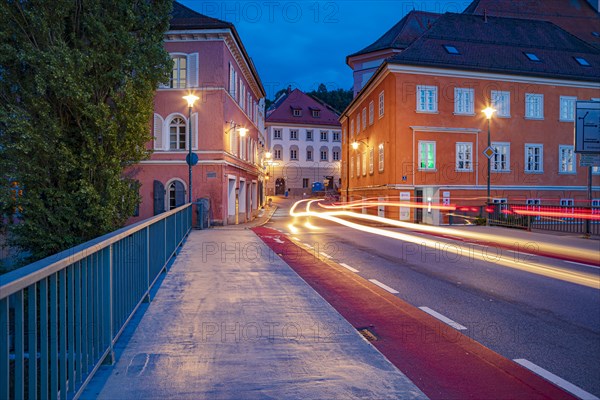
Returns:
<point x="568" y="219"/>
<point x="61" y="316"/>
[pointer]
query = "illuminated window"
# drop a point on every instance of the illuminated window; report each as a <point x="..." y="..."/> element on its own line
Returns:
<point x="371" y="112"/>
<point x="371" y="160"/>
<point x="463" y="101"/>
<point x="501" y="103"/>
<point x="179" y="73"/>
<point x="381" y="104"/>
<point x="567" y="108"/>
<point x="177" y="134"/>
<point x="426" y="155"/>
<point x="566" y="160"/>
<point x="501" y="158"/>
<point x="534" y="106"/>
<point x="464" y="157"/>
<point x="381" y="157"/>
<point x="427" y="98"/>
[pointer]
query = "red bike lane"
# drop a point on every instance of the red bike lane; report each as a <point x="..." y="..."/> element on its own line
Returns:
<point x="441" y="361"/>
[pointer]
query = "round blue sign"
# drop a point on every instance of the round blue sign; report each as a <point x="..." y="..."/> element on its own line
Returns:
<point x="193" y="161"/>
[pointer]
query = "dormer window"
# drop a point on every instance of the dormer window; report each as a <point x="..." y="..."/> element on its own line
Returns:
<point x="532" y="57"/>
<point x="451" y="49"/>
<point x="296" y="112"/>
<point x="582" y="61"/>
<point x="316" y="113"/>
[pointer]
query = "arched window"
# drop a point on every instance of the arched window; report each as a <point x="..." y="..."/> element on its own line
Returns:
<point x="175" y="194"/>
<point x="177" y="134"/>
<point x="179" y="73"/>
<point x="277" y="150"/>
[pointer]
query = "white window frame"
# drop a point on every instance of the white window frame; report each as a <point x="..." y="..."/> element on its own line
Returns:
<point x="466" y="150"/>
<point x="371" y="160"/>
<point x="364" y="163"/>
<point x="324" y="136"/>
<point x="534" y="106"/>
<point x="564" y="165"/>
<point x="277" y="134"/>
<point x="294" y="154"/>
<point x="293" y="134"/>
<point x="352" y="128"/>
<point x="427" y="99"/>
<point x="364" y="118"/>
<point x="464" y="103"/>
<point x="381" y="157"/>
<point x="495" y="158"/>
<point x="371" y="112"/>
<point x="381" y="103"/>
<point x="309" y="154"/>
<point x="357" y="123"/>
<point x="351" y="166"/>
<point x="423" y="145"/>
<point x="326" y="158"/>
<point x="500" y="100"/>
<point x="335" y="155"/>
<point x="567" y="108"/>
<point x="534" y="167"/>
<point x="179" y="127"/>
<point x="309" y="135"/>
<point x="336" y="136"/>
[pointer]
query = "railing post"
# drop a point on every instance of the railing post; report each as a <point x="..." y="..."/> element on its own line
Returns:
<point x="109" y="304"/>
<point x="147" y="299"/>
<point x="4" y="350"/>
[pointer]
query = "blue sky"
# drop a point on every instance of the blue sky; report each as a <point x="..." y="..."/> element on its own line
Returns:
<point x="303" y="43"/>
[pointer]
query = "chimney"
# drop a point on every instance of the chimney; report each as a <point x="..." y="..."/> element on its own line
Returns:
<point x="289" y="89"/>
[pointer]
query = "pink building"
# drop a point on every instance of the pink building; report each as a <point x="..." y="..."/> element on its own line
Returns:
<point x="209" y="61"/>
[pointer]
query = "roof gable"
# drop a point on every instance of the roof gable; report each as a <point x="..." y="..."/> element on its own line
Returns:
<point x="186" y="18"/>
<point x="282" y="111"/>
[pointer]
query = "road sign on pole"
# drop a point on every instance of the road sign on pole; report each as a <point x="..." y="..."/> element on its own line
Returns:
<point x="587" y="127"/>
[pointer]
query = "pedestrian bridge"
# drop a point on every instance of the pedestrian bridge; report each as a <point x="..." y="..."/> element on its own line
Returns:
<point x="231" y="320"/>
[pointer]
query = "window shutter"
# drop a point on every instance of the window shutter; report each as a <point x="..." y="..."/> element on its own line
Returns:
<point x="158" y="132"/>
<point x="159" y="198"/>
<point x="192" y="70"/>
<point x="179" y="194"/>
<point x="194" y="126"/>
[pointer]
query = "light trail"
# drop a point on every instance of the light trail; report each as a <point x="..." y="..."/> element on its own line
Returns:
<point x="580" y="278"/>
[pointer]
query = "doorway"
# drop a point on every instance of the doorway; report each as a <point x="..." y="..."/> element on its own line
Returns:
<point x="279" y="187"/>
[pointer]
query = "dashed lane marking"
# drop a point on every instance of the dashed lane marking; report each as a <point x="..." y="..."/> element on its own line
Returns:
<point x="443" y="318"/>
<point x="348" y="267"/>
<point x="384" y="286"/>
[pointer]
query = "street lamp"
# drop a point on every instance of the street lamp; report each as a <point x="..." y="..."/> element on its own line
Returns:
<point x="191" y="99"/>
<point x="489" y="112"/>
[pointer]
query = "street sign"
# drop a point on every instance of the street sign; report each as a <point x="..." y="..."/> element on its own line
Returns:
<point x="589" y="160"/>
<point x="193" y="161"/>
<point x="489" y="152"/>
<point x="587" y="127"/>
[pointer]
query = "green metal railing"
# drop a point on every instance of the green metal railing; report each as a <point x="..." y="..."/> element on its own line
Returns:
<point x="61" y="316"/>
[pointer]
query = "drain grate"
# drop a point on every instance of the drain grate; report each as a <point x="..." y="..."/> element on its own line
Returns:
<point x="367" y="334"/>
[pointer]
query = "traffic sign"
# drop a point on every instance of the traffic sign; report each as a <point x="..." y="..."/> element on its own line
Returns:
<point x="587" y="127"/>
<point x="589" y="160"/>
<point x="489" y="152"/>
<point x="193" y="161"/>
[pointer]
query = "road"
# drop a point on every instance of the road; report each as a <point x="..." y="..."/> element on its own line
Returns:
<point x="550" y="322"/>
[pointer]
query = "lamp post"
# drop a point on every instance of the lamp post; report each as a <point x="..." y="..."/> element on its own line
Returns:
<point x="191" y="99"/>
<point x="489" y="112"/>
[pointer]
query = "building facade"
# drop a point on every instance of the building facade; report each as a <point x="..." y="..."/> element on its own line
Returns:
<point x="226" y="123"/>
<point x="421" y="133"/>
<point x="305" y="145"/>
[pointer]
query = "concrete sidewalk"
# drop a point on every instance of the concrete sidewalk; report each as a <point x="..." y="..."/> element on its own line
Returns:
<point x="231" y="320"/>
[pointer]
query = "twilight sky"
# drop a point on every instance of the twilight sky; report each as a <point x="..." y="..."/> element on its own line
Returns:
<point x="303" y="43"/>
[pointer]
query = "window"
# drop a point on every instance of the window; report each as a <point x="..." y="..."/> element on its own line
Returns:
<point x="357" y="123"/>
<point x="293" y="154"/>
<point x="371" y="160"/>
<point x="293" y="134"/>
<point x="232" y="80"/>
<point x="309" y="136"/>
<point x="532" y="57"/>
<point x="352" y="167"/>
<point x="371" y="112"/>
<point x="464" y="156"/>
<point x="566" y="159"/>
<point x="451" y="49"/>
<point x="277" y="134"/>
<point x="352" y="127"/>
<point x="567" y="203"/>
<point x="176" y="192"/>
<point x="501" y="158"/>
<point x="316" y="113"/>
<point x="336" y="136"/>
<point x="567" y="108"/>
<point x="305" y="183"/>
<point x="426" y="155"/>
<point x="426" y="98"/>
<point x="582" y="61"/>
<point x="179" y="73"/>
<point x="177" y="134"/>
<point x="501" y="103"/>
<point x="324" y="155"/>
<point x="309" y="154"/>
<point x="381" y="153"/>
<point x="534" y="106"/>
<point x="595" y="206"/>
<point x="534" y="205"/>
<point x="463" y="101"/>
<point x="364" y="118"/>
<point x="381" y="104"/>
<point x="534" y="158"/>
<point x="364" y="163"/>
<point x="595" y="170"/>
<point x="277" y="153"/>
<point x="324" y="136"/>
<point x="336" y="154"/>
<point x="297" y="112"/>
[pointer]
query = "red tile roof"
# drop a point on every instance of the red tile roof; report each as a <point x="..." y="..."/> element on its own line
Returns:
<point x="281" y="110"/>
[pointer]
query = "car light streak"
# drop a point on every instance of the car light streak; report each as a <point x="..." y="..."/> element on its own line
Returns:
<point x="580" y="278"/>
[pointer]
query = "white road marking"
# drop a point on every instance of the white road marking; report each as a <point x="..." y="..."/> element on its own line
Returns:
<point x="307" y="245"/>
<point x="348" y="267"/>
<point x="276" y="239"/>
<point x="557" y="380"/>
<point x="443" y="318"/>
<point x="383" y="286"/>
<point x="585" y="265"/>
<point x="295" y="238"/>
<point x="326" y="255"/>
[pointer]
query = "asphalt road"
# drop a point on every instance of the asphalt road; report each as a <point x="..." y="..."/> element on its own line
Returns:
<point x="521" y="315"/>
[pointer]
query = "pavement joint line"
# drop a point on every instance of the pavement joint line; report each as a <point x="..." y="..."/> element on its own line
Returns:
<point x="384" y="286"/>
<point x="443" y="318"/>
<point x="585" y="265"/>
<point x="557" y="380"/>
<point x="349" y="267"/>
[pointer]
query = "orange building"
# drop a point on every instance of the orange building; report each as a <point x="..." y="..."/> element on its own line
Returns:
<point x="421" y="132"/>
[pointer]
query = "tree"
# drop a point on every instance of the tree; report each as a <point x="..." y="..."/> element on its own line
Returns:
<point x="339" y="99"/>
<point x="77" y="81"/>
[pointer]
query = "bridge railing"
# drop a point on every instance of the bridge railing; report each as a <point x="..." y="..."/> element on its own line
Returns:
<point x="61" y="316"/>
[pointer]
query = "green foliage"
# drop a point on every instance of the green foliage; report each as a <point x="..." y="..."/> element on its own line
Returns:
<point x="77" y="82"/>
<point x="339" y="99"/>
